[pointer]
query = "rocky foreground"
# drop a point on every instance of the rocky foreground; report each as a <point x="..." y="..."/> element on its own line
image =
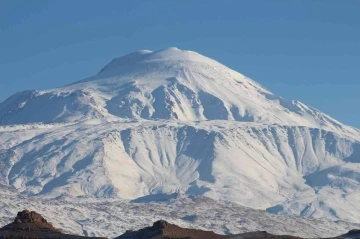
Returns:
<point x="164" y="230"/>
<point x="31" y="225"/>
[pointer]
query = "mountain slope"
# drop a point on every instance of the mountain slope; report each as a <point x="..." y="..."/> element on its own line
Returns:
<point x="176" y="121"/>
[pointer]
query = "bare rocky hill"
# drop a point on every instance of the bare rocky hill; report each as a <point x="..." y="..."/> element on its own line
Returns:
<point x="31" y="225"/>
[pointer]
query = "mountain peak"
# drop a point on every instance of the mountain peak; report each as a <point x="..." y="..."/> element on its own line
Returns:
<point x="169" y="84"/>
<point x="168" y="55"/>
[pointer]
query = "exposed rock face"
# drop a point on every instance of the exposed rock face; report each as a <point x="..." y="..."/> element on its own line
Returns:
<point x="29" y="217"/>
<point x="29" y="221"/>
<point x="29" y="224"/>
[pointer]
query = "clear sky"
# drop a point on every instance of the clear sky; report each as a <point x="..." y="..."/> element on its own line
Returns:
<point x="307" y="50"/>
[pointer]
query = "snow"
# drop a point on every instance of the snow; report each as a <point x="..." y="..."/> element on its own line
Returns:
<point x="174" y="121"/>
<point x="170" y="84"/>
<point x="112" y="217"/>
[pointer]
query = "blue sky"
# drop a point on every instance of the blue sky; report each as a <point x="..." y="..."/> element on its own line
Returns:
<point x="307" y="50"/>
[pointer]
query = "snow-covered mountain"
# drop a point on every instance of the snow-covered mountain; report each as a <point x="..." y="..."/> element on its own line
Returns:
<point x="153" y="123"/>
<point x="165" y="85"/>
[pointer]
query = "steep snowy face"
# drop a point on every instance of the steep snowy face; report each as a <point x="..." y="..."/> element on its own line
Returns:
<point x="170" y="84"/>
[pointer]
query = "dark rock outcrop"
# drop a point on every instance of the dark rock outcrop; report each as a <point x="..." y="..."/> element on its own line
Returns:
<point x="353" y="234"/>
<point x="164" y="230"/>
<point x="29" y="217"/>
<point x="31" y="225"/>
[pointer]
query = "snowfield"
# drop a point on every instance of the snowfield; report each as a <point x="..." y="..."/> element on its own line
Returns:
<point x="173" y="121"/>
<point x="112" y="217"/>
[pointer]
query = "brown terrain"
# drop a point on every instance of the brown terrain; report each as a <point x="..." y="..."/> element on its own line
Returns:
<point x="164" y="230"/>
<point x="31" y="225"/>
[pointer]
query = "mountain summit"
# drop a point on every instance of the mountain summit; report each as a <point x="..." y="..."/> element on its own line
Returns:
<point x="150" y="124"/>
<point x="170" y="84"/>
